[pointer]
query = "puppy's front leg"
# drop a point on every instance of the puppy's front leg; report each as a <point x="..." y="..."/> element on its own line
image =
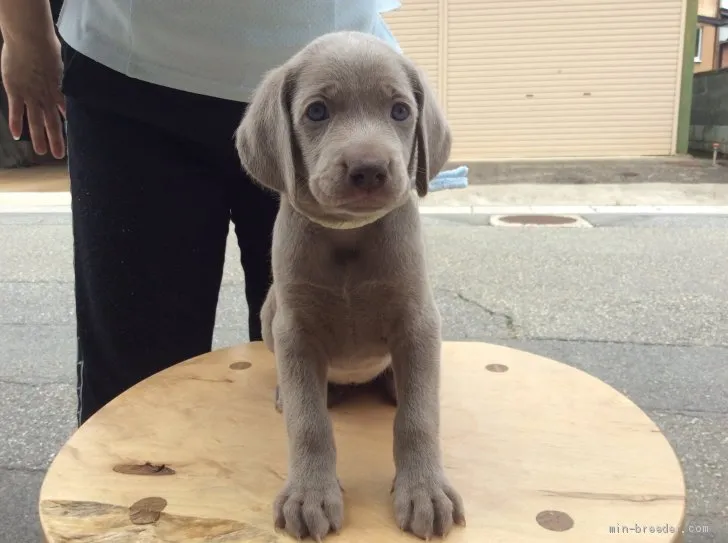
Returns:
<point x="425" y="503"/>
<point x="311" y="502"/>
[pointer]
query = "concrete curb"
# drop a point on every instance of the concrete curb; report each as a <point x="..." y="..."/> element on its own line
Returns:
<point x="60" y="202"/>
<point x="558" y="209"/>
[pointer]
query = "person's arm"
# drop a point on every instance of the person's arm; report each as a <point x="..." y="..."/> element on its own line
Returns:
<point x="22" y="20"/>
<point x="31" y="73"/>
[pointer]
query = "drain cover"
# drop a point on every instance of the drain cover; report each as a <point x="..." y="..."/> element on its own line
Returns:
<point x="539" y="220"/>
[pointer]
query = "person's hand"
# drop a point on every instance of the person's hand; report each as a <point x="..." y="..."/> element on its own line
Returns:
<point x="31" y="73"/>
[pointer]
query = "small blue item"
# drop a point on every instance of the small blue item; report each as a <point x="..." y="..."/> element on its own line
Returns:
<point x="450" y="179"/>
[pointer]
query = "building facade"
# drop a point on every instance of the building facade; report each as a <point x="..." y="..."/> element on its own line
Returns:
<point x="530" y="79"/>
<point x="711" y="39"/>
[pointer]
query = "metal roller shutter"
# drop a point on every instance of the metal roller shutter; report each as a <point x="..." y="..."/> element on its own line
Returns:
<point x="551" y="78"/>
<point x="417" y="27"/>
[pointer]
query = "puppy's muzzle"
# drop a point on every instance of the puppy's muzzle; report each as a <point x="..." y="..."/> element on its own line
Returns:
<point x="368" y="175"/>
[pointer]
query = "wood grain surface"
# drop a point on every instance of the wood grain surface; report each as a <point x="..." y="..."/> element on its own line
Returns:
<point x="540" y="451"/>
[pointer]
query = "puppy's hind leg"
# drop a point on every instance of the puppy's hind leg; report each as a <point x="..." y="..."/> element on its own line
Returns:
<point x="279" y="399"/>
<point x="337" y="394"/>
<point x="267" y="313"/>
<point x="389" y="386"/>
<point x="384" y="384"/>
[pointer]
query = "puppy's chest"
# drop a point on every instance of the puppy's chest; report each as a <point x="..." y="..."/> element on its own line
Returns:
<point x="354" y="301"/>
<point x="353" y="306"/>
<point x="355" y="311"/>
<point x="356" y="323"/>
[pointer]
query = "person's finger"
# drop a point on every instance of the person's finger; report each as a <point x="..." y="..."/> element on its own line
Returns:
<point x="37" y="128"/>
<point x="54" y="131"/>
<point x="61" y="102"/>
<point x="16" y="108"/>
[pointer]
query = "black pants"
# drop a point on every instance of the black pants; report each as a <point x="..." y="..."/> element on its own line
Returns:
<point x="155" y="182"/>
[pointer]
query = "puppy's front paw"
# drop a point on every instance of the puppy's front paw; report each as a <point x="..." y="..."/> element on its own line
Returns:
<point x="426" y="506"/>
<point x="311" y="507"/>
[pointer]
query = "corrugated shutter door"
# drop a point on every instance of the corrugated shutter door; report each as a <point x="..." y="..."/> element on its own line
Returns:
<point x="416" y="25"/>
<point x="560" y="78"/>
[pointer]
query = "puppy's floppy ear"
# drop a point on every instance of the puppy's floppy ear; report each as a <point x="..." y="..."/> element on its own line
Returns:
<point x="433" y="137"/>
<point x="264" y="139"/>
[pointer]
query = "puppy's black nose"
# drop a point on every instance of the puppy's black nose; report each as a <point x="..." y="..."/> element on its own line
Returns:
<point x="368" y="176"/>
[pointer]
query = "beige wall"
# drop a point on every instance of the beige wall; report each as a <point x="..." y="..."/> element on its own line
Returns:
<point x="724" y="56"/>
<point x="579" y="80"/>
<point x="707" y="56"/>
<point x="708" y="8"/>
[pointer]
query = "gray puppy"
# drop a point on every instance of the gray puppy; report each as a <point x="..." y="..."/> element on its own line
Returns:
<point x="344" y="131"/>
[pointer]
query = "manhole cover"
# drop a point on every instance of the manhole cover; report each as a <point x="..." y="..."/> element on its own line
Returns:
<point x="537" y="219"/>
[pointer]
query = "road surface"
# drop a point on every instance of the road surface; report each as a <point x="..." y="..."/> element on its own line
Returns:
<point x="640" y="302"/>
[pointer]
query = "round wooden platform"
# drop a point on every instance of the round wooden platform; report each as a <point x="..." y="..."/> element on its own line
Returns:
<point x="540" y="452"/>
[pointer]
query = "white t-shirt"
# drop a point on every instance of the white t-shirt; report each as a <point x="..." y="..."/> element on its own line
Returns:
<point x="218" y="48"/>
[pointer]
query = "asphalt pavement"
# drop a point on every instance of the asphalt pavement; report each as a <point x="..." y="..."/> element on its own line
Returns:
<point x="637" y="301"/>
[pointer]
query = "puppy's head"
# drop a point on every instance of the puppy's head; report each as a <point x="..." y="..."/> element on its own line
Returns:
<point x="345" y="129"/>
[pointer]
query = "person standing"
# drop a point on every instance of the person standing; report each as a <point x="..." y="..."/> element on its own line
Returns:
<point x="151" y="92"/>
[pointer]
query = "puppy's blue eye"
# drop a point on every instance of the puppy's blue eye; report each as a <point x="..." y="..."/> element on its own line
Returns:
<point x="400" y="111"/>
<point x="317" y="112"/>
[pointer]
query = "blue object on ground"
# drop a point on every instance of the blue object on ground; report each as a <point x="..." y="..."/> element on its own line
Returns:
<point x="450" y="179"/>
